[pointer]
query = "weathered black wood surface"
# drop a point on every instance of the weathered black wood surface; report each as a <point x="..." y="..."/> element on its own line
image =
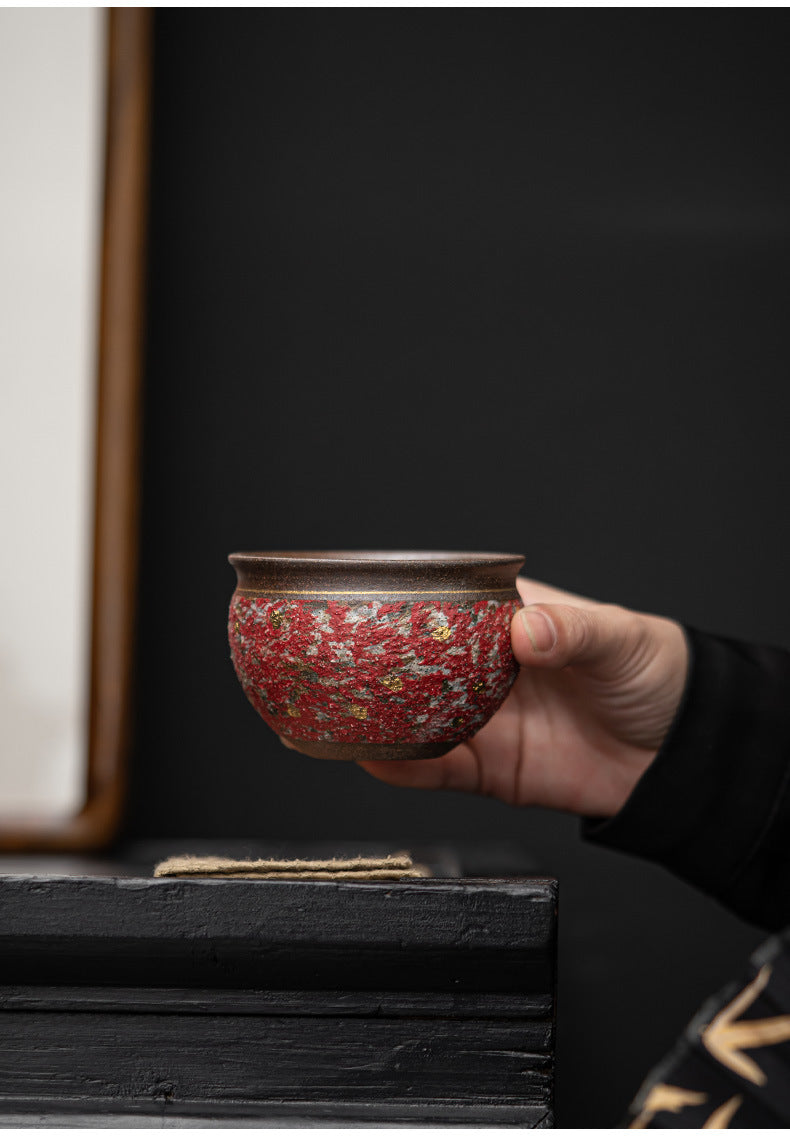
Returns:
<point x="276" y="1114"/>
<point x="225" y="1058"/>
<point x="187" y="1002"/>
<point x="431" y="934"/>
<point x="286" y="1003"/>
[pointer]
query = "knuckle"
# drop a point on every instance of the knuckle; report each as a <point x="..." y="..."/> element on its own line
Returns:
<point x="629" y="636"/>
<point x="582" y="631"/>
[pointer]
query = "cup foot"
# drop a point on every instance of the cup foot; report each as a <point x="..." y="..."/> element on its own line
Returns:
<point x="367" y="751"/>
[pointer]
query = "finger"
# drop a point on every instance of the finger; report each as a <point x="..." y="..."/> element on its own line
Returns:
<point x="535" y="591"/>
<point x="455" y="770"/>
<point x="560" y="635"/>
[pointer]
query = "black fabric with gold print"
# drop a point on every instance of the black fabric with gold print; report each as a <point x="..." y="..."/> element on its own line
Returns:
<point x="732" y="1068"/>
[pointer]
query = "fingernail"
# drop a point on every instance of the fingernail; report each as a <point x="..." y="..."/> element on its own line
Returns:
<point x="540" y="629"/>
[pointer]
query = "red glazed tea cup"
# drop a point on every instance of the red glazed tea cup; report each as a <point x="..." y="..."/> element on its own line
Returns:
<point x="374" y="655"/>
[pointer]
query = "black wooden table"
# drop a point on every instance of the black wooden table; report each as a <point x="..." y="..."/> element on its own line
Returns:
<point x="133" y="1001"/>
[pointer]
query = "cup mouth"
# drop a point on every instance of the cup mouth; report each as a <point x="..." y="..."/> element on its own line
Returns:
<point x="384" y="571"/>
<point x="378" y="556"/>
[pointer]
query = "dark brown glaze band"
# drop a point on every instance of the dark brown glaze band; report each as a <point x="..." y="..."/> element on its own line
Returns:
<point x="367" y="751"/>
<point x="325" y="574"/>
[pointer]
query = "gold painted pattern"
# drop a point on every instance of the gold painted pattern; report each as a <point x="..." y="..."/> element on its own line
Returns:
<point x="726" y="1038"/>
<point x="666" y="1098"/>
<point x="728" y="1035"/>
<point x="724" y="1113"/>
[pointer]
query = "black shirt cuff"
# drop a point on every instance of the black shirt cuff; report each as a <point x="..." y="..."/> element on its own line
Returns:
<point x="714" y="805"/>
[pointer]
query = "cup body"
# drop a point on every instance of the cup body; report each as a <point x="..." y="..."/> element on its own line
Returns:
<point x="374" y="655"/>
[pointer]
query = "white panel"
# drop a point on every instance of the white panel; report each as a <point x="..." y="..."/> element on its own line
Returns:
<point x="51" y="124"/>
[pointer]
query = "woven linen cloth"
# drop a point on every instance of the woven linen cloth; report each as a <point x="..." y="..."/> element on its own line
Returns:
<point x="397" y="866"/>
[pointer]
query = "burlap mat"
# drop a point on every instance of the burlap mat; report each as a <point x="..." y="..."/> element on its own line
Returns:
<point x="397" y="866"/>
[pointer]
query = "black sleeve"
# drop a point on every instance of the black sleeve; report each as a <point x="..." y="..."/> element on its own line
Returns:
<point x="714" y="806"/>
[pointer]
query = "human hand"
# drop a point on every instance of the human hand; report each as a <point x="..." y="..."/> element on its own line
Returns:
<point x="598" y="688"/>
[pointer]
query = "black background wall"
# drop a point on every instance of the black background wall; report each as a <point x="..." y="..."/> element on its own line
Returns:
<point x="466" y="279"/>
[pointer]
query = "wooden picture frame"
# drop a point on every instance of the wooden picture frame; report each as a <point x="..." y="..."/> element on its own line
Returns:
<point x="116" y="478"/>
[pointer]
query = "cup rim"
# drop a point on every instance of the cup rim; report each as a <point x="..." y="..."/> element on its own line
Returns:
<point x="383" y="557"/>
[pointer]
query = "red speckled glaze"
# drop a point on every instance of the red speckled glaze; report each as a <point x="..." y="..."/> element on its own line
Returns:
<point x="374" y="672"/>
<point x="350" y="673"/>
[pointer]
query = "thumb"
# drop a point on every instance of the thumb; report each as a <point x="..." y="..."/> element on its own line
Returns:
<point x="560" y="635"/>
